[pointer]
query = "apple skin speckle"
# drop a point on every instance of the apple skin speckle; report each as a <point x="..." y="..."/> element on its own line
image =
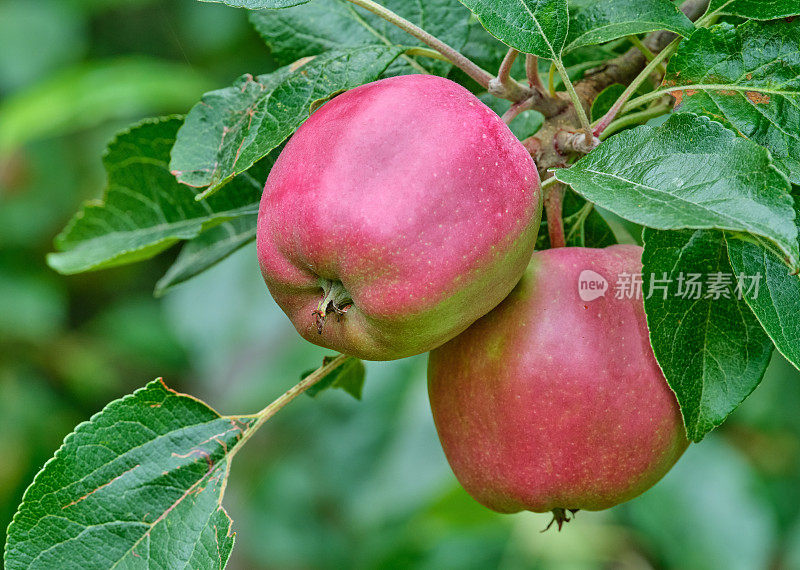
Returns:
<point x="391" y="189"/>
<point x="542" y="405"/>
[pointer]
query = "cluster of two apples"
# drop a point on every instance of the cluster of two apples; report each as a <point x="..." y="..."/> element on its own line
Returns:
<point x="401" y="218"/>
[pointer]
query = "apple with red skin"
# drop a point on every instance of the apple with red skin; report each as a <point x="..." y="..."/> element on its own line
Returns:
<point x="554" y="403"/>
<point x="399" y="213"/>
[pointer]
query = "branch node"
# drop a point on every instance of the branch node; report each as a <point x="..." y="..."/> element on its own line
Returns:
<point x="568" y="141"/>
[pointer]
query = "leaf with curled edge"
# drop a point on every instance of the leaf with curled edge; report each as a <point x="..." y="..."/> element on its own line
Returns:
<point x="601" y="22"/>
<point x="145" y="210"/>
<point x="690" y="173"/>
<point x="139" y="485"/>
<point x="775" y="298"/>
<point x="538" y="27"/>
<point x="755" y="9"/>
<point x="708" y="343"/>
<point x="231" y="129"/>
<point x="323" y="25"/>
<point x="748" y="78"/>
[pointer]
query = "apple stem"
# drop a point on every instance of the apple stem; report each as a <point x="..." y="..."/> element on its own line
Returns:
<point x="469" y="67"/>
<point x="553" y="206"/>
<point x="334" y="298"/>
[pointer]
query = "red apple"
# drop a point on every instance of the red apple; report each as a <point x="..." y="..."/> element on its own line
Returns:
<point x="397" y="215"/>
<point x="554" y="400"/>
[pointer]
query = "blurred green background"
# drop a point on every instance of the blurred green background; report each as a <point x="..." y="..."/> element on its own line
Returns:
<point x="331" y="482"/>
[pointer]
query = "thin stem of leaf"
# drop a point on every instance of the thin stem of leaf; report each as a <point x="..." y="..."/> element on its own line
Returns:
<point x="647" y="97"/>
<point x="648" y="55"/>
<point x="285" y="398"/>
<point x="549" y="182"/>
<point x="576" y="101"/>
<point x="583" y="213"/>
<point x="708" y="19"/>
<point x="504" y="86"/>
<point x="635" y="119"/>
<point x="477" y="73"/>
<point x="410" y="60"/>
<point x="551" y="76"/>
<point x="532" y="71"/>
<point x="426" y="52"/>
<point x="504" y="73"/>
<point x="601" y="124"/>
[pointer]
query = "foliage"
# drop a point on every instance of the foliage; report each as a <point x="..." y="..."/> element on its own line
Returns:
<point x="145" y="448"/>
<point x="142" y="481"/>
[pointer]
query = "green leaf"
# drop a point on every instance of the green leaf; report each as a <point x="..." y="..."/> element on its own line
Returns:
<point x="538" y="27"/>
<point x="711" y="348"/>
<point x="583" y="225"/>
<point x="748" y="78"/>
<point x="689" y="173"/>
<point x="608" y="20"/>
<point x="232" y="128"/>
<point x="259" y="4"/>
<point x="486" y="51"/>
<point x="755" y="9"/>
<point x="314" y="28"/>
<point x="208" y="249"/>
<point x="605" y="100"/>
<point x="92" y="93"/>
<point x="138" y="486"/>
<point x="144" y="210"/>
<point x="776" y="300"/>
<point x="348" y="376"/>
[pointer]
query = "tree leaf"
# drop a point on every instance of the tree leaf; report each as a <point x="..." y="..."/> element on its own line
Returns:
<point x="712" y="350"/>
<point x="748" y="78"/>
<point x="755" y="9"/>
<point x="92" y="93"/>
<point x="689" y="173"/>
<point x="144" y="210"/>
<point x="349" y="376"/>
<point x="605" y="100"/>
<point x="208" y="249"/>
<point x="486" y="51"/>
<point x="608" y="20"/>
<point x="259" y="4"/>
<point x="232" y="128"/>
<point x="776" y="302"/>
<point x="314" y="28"/>
<point x="138" y="486"/>
<point x="538" y="27"/>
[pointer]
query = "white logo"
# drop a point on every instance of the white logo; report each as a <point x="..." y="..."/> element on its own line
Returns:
<point x="591" y="285"/>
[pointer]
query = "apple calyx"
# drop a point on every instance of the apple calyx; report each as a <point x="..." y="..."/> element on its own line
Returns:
<point x="560" y="517"/>
<point x="335" y="299"/>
